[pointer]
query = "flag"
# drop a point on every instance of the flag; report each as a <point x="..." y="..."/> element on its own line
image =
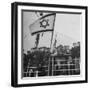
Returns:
<point x="39" y="14"/>
<point x="43" y="24"/>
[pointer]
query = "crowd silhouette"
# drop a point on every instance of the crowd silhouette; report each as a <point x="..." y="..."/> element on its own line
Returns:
<point x="38" y="61"/>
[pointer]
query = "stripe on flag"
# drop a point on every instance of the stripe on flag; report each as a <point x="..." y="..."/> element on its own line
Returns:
<point x="45" y="23"/>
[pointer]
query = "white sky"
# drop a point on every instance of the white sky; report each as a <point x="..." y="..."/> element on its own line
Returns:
<point x="67" y="27"/>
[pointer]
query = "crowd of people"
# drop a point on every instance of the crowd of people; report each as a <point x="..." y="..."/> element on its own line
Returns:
<point x="38" y="59"/>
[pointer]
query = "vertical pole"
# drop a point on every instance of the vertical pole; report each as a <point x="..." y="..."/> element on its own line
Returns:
<point x="52" y="32"/>
<point x="50" y="67"/>
<point x="37" y="40"/>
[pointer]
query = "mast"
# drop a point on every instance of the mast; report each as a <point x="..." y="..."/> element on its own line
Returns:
<point x="37" y="40"/>
<point x="51" y="59"/>
<point x="52" y="33"/>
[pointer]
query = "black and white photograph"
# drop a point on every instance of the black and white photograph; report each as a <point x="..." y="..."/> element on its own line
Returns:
<point x="51" y="44"/>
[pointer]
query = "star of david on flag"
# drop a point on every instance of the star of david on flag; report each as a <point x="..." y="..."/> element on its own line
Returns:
<point x="43" y="24"/>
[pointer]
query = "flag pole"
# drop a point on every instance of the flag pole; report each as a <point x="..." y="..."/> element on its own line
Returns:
<point x="37" y="40"/>
<point x="50" y="67"/>
<point x="52" y="33"/>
